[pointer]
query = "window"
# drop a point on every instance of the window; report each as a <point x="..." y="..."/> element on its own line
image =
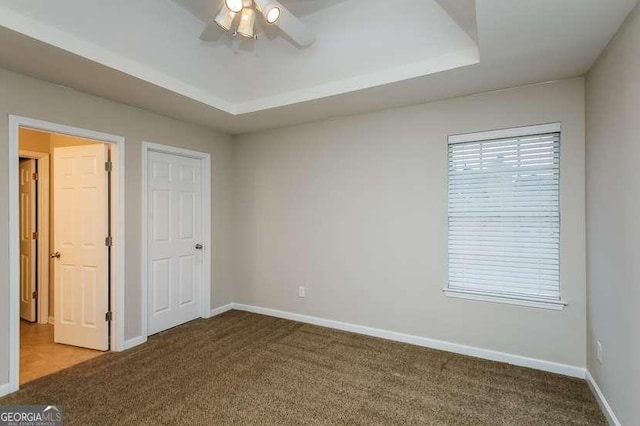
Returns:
<point x="504" y="216"/>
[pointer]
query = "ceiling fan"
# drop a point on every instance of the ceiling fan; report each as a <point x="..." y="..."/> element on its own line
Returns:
<point x="273" y="13"/>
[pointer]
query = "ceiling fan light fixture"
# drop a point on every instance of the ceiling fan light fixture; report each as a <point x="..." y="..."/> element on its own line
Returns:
<point x="269" y="9"/>
<point x="246" y="28"/>
<point x="234" y="5"/>
<point x="272" y="15"/>
<point x="225" y="18"/>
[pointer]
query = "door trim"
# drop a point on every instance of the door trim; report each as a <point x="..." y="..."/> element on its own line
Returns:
<point x="42" y="252"/>
<point x="205" y="160"/>
<point x="117" y="144"/>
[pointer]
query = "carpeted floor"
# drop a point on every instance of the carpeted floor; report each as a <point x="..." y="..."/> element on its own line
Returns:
<point x="242" y="368"/>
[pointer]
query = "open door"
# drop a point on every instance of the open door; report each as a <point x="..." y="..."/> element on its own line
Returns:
<point x="28" y="254"/>
<point x="81" y="226"/>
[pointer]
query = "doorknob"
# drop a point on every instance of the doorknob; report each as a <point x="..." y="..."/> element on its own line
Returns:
<point x="55" y="255"/>
<point x="199" y="247"/>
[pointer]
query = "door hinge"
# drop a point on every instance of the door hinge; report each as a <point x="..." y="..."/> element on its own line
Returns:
<point x="108" y="316"/>
<point x="108" y="241"/>
<point x="108" y="166"/>
<point x="34" y="295"/>
<point x="35" y="176"/>
<point x="35" y="236"/>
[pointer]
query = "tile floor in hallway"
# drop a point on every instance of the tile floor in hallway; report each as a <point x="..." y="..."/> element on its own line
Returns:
<point x="41" y="356"/>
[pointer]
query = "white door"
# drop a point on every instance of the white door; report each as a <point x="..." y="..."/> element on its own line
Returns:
<point x="174" y="236"/>
<point x="27" y="239"/>
<point x="80" y="227"/>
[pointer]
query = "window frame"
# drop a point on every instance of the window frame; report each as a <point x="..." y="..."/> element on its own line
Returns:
<point x="527" y="301"/>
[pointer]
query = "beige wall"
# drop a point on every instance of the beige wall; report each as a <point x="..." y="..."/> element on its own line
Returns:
<point x="355" y="209"/>
<point x="613" y="225"/>
<point x="37" y="99"/>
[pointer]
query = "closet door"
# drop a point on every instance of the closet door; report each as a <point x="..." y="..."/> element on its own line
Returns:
<point x="174" y="246"/>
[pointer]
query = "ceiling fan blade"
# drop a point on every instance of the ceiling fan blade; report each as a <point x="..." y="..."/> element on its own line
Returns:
<point x="295" y="29"/>
<point x="289" y="24"/>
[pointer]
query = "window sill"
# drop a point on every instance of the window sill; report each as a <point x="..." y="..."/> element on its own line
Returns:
<point x="558" y="305"/>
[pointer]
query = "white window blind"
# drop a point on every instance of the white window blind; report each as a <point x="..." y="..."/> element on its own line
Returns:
<point x="504" y="218"/>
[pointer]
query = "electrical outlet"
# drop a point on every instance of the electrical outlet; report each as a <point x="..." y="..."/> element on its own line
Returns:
<point x="302" y="292"/>
<point x="599" y="352"/>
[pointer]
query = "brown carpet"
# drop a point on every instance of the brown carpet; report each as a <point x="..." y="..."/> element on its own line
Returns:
<point x="242" y="368"/>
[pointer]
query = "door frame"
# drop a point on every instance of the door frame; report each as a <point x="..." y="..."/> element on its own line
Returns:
<point x="205" y="290"/>
<point x="42" y="251"/>
<point x="117" y="143"/>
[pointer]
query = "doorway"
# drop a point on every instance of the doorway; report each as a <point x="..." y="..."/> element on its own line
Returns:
<point x="77" y="288"/>
<point x="66" y="263"/>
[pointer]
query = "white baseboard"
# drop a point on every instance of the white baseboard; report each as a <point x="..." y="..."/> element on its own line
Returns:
<point x="131" y="343"/>
<point x="222" y="309"/>
<point x="51" y="320"/>
<point x="602" y="401"/>
<point x="553" y="367"/>
<point x="491" y="355"/>
<point x="5" y="389"/>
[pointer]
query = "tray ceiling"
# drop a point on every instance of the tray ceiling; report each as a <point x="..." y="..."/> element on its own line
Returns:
<point x="369" y="54"/>
<point x="359" y="45"/>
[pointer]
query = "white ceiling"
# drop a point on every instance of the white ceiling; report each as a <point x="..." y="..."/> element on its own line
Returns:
<point x="148" y="53"/>
<point x="158" y="41"/>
